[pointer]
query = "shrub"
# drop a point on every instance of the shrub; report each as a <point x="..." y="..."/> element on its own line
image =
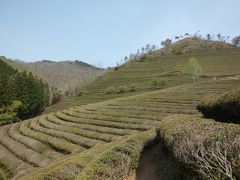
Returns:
<point x="57" y="97"/>
<point x="159" y="82"/>
<point x="110" y="90"/>
<point x="122" y="89"/>
<point x="81" y="93"/>
<point x="210" y="148"/>
<point x="116" y="68"/>
<point x="143" y="58"/>
<point x="132" y="87"/>
<point x="193" y="69"/>
<point x="224" y="107"/>
<point x="8" y="117"/>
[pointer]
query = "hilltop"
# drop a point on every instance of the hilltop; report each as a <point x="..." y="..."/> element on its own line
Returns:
<point x="217" y="59"/>
<point x="193" y="44"/>
<point x="63" y="75"/>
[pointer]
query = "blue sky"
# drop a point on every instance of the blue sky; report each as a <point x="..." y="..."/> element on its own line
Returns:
<point x="102" y="32"/>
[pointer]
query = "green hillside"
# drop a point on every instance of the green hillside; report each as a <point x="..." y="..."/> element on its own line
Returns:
<point x="137" y="75"/>
<point x="83" y="130"/>
<point x="144" y="105"/>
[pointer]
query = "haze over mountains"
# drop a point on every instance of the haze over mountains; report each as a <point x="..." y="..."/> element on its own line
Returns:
<point x="62" y="75"/>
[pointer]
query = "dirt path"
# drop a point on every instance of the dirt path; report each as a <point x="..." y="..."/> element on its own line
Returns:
<point x="156" y="164"/>
<point x="148" y="165"/>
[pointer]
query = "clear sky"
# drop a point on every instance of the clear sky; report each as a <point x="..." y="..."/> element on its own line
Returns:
<point x="104" y="31"/>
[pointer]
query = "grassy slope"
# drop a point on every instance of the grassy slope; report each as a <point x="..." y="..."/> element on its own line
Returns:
<point x="220" y="63"/>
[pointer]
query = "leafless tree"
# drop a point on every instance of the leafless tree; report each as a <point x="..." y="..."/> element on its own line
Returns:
<point x="209" y="37"/>
<point x="236" y="41"/>
<point x="166" y="43"/>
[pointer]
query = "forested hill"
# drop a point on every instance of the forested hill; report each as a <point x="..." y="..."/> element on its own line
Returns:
<point x="65" y="76"/>
<point x="21" y="94"/>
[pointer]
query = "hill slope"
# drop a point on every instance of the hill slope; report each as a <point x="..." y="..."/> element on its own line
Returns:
<point x="140" y="73"/>
<point x="63" y="75"/>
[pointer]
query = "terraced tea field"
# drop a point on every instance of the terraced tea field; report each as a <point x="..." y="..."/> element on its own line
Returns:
<point x="215" y="63"/>
<point x="56" y="137"/>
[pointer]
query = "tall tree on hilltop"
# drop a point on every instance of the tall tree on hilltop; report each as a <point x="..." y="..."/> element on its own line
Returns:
<point x="147" y="47"/>
<point x="209" y="37"/>
<point x="219" y="36"/>
<point x="166" y="43"/>
<point x="153" y="47"/>
<point x="143" y="50"/>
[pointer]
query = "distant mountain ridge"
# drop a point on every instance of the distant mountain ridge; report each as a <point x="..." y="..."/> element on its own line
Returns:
<point x="63" y="75"/>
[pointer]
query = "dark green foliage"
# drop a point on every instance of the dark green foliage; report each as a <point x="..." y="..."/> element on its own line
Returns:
<point x="4" y="172"/>
<point x="6" y="92"/>
<point x="159" y="82"/>
<point x="224" y="107"/>
<point x="8" y="114"/>
<point x="5" y="99"/>
<point x="32" y="94"/>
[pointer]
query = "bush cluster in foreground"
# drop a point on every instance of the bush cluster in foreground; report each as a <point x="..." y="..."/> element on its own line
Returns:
<point x="208" y="147"/>
<point x="224" y="107"/>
